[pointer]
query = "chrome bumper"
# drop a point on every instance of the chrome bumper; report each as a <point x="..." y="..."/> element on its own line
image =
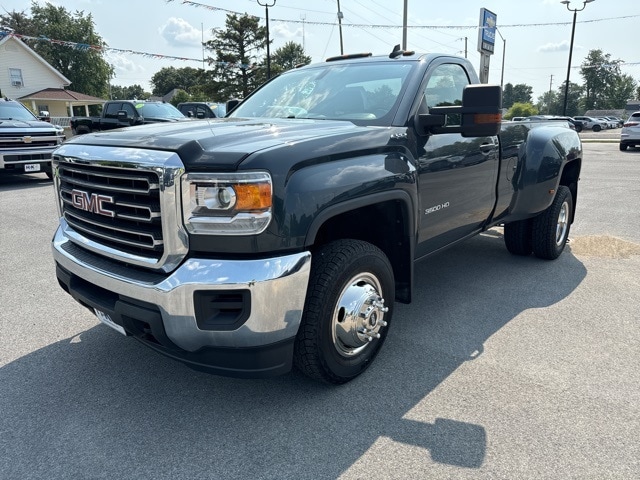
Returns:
<point x="277" y="285"/>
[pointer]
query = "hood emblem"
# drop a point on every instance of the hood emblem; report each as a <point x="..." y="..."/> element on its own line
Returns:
<point x="93" y="203"/>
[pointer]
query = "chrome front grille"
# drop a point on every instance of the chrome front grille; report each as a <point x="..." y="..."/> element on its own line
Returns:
<point x="122" y="203"/>
<point x="117" y="207"/>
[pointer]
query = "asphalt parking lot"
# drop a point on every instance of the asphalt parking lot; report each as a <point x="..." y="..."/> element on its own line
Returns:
<point x="503" y="367"/>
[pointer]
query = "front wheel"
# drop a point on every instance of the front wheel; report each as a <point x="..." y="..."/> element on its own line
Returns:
<point x="597" y="128"/>
<point x="347" y="311"/>
<point x="518" y="237"/>
<point x="551" y="227"/>
<point x="623" y="147"/>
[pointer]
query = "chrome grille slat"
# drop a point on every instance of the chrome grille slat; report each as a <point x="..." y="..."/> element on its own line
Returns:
<point x="79" y="227"/>
<point x="111" y="188"/>
<point x="113" y="175"/>
<point x="151" y="244"/>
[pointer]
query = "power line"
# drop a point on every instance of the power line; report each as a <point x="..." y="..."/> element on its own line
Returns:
<point x="417" y="27"/>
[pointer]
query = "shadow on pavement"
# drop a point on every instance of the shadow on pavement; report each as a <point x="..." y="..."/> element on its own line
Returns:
<point x="102" y="406"/>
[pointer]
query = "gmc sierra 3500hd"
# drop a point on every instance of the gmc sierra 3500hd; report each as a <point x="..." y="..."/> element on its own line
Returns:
<point x="282" y="234"/>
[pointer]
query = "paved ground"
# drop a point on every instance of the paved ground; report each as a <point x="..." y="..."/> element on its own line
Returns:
<point x="503" y="367"/>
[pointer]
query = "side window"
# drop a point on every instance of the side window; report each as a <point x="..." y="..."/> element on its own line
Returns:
<point x="131" y="112"/>
<point x="201" y="112"/>
<point x="15" y="74"/>
<point x="444" y="88"/>
<point x="112" y="110"/>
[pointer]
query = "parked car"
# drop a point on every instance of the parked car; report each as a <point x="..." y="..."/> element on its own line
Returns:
<point x="608" y="122"/>
<point x="630" y="133"/>
<point x="573" y="124"/>
<point x="202" y="109"/>
<point x="618" y="121"/>
<point x="592" y="123"/>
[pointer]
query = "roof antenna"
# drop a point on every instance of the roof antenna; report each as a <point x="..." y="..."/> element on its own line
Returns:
<point x="396" y="52"/>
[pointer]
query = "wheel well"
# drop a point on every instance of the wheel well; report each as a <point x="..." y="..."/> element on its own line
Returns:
<point x="569" y="178"/>
<point x="385" y="225"/>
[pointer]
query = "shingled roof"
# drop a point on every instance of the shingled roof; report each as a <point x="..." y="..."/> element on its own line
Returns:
<point x="62" y="95"/>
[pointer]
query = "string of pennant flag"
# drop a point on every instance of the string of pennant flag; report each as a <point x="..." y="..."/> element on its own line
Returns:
<point x="84" y="47"/>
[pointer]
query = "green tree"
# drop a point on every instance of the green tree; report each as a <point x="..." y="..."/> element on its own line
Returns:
<point x="600" y="74"/>
<point x="179" y="97"/>
<point x="520" y="93"/>
<point x="575" y="100"/>
<point x="550" y="103"/>
<point x="168" y="78"/>
<point x="128" y="93"/>
<point x="521" y="109"/>
<point x="620" y="90"/>
<point x="290" y="55"/>
<point x="85" y="67"/>
<point x="235" y="59"/>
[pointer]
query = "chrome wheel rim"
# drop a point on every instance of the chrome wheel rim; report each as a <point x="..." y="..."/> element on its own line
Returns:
<point x="358" y="317"/>
<point x="563" y="224"/>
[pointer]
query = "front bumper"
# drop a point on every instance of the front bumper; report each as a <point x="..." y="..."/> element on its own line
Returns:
<point x="161" y="310"/>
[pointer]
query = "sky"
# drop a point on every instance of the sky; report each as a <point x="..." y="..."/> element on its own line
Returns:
<point x="536" y="33"/>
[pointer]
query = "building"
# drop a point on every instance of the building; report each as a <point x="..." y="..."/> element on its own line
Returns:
<point x="27" y="77"/>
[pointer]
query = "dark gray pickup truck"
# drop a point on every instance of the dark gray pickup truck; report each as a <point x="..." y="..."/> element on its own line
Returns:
<point x="283" y="234"/>
<point x="126" y="113"/>
<point x="26" y="143"/>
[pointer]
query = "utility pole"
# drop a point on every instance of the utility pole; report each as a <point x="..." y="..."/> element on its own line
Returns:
<point x="303" y="17"/>
<point x="404" y="26"/>
<point x="340" y="15"/>
<point x="549" y="101"/>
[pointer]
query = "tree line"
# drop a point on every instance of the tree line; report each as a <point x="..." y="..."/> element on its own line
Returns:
<point x="237" y="66"/>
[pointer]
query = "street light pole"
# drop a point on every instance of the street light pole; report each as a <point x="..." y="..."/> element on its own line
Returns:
<point x="573" y="31"/>
<point x="504" y="51"/>
<point x="266" y="6"/>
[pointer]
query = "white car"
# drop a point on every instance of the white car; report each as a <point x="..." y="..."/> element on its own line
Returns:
<point x="630" y="133"/>
<point x="592" y="123"/>
<point x="609" y="123"/>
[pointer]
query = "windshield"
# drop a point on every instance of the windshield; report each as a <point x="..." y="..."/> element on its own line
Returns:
<point x="159" y="110"/>
<point x="363" y="92"/>
<point x="15" y="111"/>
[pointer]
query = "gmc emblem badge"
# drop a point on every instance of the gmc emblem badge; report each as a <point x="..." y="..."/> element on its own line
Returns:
<point x="93" y="203"/>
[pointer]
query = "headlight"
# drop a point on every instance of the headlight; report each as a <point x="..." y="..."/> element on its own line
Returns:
<point x="226" y="203"/>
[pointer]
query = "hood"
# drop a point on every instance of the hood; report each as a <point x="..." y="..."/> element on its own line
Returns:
<point x="25" y="124"/>
<point x="219" y="144"/>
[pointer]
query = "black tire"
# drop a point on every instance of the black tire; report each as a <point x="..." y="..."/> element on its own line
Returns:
<point x="551" y="227"/>
<point x="518" y="237"/>
<point x="623" y="147"/>
<point x="334" y="344"/>
<point x="597" y="128"/>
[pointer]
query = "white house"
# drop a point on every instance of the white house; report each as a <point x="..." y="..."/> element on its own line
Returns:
<point x="27" y="77"/>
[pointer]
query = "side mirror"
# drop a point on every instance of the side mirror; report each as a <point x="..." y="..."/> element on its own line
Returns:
<point x="480" y="114"/>
<point x="233" y="103"/>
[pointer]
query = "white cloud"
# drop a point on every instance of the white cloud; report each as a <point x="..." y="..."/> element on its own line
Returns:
<point x="563" y="46"/>
<point x="282" y="30"/>
<point x="179" y="33"/>
<point x="123" y="64"/>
